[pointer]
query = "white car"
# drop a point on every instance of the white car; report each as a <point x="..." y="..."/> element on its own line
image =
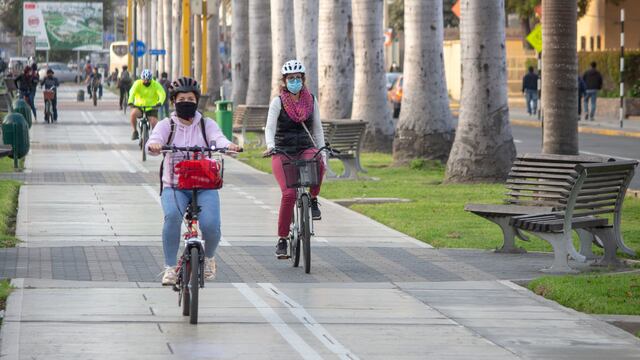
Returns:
<point x="60" y="70"/>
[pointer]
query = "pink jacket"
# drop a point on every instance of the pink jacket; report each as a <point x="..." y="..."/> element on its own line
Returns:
<point x="184" y="135"/>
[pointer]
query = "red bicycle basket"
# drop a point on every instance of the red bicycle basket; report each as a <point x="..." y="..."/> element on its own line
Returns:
<point x="198" y="174"/>
<point x="49" y="94"/>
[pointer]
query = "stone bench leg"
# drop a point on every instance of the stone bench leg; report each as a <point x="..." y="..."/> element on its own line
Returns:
<point x="610" y="244"/>
<point x="622" y="246"/>
<point x="508" y="235"/>
<point x="561" y="248"/>
<point x="350" y="169"/>
<point x="586" y="242"/>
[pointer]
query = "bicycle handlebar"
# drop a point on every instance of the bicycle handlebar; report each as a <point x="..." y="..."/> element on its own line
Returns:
<point x="281" y="151"/>
<point x="173" y="148"/>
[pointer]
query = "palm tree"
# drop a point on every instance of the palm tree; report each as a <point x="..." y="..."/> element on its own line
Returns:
<point x="283" y="46"/>
<point x="306" y="33"/>
<point x="335" y="61"/>
<point x="166" y="27"/>
<point x="153" y="31"/>
<point x="197" y="47"/>
<point x="424" y="128"/>
<point x="213" y="56"/>
<point x="483" y="149"/>
<point x="159" y="14"/>
<point x="176" y="18"/>
<point x="239" y="50"/>
<point x="559" y="85"/>
<point x="259" y="53"/>
<point x="369" y="95"/>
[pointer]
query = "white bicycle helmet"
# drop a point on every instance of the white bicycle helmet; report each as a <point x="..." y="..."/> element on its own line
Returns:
<point x="292" y="67"/>
<point x="146" y="74"/>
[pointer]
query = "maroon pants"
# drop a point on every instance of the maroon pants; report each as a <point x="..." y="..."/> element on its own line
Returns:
<point x="289" y="195"/>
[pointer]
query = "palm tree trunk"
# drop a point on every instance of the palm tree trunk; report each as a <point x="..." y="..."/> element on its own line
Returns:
<point x="424" y="129"/>
<point x="153" y="30"/>
<point x="483" y="150"/>
<point x="560" y="84"/>
<point x="197" y="47"/>
<point x="335" y="60"/>
<point x="176" y="18"/>
<point x="147" y="32"/>
<point x="239" y="50"/>
<point x="166" y="27"/>
<point x="160" y="35"/>
<point x="369" y="97"/>
<point x="259" y="53"/>
<point x="213" y="55"/>
<point x="306" y="33"/>
<point x="283" y="47"/>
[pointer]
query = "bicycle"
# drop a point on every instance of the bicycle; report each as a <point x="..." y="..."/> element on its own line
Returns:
<point x="195" y="172"/>
<point x="94" y="93"/>
<point x="301" y="174"/>
<point x="49" y="95"/>
<point x="144" y="128"/>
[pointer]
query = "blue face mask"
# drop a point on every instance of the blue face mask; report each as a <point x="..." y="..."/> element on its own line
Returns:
<point x="294" y="85"/>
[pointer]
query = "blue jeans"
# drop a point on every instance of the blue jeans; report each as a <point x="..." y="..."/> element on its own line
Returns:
<point x="593" y="95"/>
<point x="531" y="97"/>
<point x="174" y="204"/>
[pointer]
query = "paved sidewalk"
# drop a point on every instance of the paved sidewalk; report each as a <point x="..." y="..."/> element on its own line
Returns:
<point x="87" y="284"/>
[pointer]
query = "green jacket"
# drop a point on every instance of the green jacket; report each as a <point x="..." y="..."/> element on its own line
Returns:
<point x="146" y="96"/>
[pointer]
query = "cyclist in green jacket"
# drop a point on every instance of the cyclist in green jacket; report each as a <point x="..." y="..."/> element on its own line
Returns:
<point x="145" y="93"/>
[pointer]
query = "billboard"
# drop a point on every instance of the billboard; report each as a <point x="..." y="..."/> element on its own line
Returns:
<point x="64" y="25"/>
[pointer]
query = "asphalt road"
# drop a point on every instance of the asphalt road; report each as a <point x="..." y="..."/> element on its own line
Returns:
<point x="529" y="140"/>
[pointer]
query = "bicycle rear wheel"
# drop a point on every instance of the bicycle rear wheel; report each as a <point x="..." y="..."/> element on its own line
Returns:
<point x="94" y="96"/>
<point x="47" y="111"/>
<point x="144" y="137"/>
<point x="194" y="284"/>
<point x="305" y="233"/>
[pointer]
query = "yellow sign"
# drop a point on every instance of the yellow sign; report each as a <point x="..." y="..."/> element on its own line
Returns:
<point x="535" y="38"/>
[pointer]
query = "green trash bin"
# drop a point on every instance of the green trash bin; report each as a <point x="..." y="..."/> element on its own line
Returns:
<point x="15" y="132"/>
<point x="224" y="117"/>
<point x="20" y="106"/>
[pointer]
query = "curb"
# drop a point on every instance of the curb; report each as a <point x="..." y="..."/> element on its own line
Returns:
<point x="582" y="129"/>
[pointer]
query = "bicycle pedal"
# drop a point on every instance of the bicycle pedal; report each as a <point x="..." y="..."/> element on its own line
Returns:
<point x="283" y="257"/>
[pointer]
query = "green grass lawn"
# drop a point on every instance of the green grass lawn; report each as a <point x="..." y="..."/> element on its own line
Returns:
<point x="8" y="210"/>
<point x="5" y="290"/>
<point x="436" y="212"/>
<point x="593" y="294"/>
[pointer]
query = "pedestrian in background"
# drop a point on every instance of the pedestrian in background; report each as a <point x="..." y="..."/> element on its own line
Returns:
<point x="593" y="81"/>
<point x="124" y="84"/>
<point x="582" y="88"/>
<point x="164" y="81"/>
<point x="530" y="90"/>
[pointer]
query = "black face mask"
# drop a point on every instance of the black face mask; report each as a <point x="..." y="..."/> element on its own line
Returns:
<point x="186" y="109"/>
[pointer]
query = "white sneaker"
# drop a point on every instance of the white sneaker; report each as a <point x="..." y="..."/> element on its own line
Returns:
<point x="210" y="268"/>
<point x="170" y="277"/>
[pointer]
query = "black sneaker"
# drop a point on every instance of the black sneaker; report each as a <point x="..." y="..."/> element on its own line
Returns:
<point x="281" y="249"/>
<point x="315" y="210"/>
<point x="135" y="135"/>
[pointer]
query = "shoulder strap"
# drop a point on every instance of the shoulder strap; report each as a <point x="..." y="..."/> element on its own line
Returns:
<point x="172" y="134"/>
<point x="203" y="128"/>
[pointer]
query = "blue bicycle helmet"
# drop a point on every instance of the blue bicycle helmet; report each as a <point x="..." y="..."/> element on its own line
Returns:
<point x="146" y="74"/>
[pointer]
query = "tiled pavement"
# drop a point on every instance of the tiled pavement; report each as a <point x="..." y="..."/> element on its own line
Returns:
<point x="87" y="284"/>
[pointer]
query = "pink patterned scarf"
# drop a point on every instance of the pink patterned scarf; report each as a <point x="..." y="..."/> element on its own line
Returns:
<point x="300" y="110"/>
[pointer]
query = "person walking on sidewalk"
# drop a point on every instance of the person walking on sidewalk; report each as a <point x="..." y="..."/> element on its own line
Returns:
<point x="593" y="80"/>
<point x="293" y="125"/>
<point x="530" y="90"/>
<point x="124" y="84"/>
<point x="582" y="88"/>
<point x="187" y="127"/>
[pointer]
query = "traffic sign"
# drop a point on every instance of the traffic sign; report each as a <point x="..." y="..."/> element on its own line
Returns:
<point x="140" y="47"/>
<point x="535" y="38"/>
<point x="456" y="9"/>
<point x="157" y="52"/>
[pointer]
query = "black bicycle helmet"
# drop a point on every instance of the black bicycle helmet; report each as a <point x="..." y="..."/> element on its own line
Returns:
<point x="183" y="85"/>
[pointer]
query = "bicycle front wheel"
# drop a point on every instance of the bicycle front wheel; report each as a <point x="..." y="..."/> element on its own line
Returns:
<point x="185" y="275"/>
<point x="194" y="284"/>
<point x="144" y="137"/>
<point x="94" y="96"/>
<point x="305" y="233"/>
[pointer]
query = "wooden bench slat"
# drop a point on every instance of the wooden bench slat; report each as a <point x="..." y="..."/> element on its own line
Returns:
<point x="538" y="188"/>
<point x="489" y="209"/>
<point x="544" y="170"/>
<point x="536" y="195"/>
<point x="598" y="185"/>
<point x="544" y="164"/>
<point x="529" y="175"/>
<point x="595" y="205"/>
<point x="543" y="182"/>
<point x="533" y="202"/>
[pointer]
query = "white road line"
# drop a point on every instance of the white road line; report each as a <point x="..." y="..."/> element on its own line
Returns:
<point x="288" y="334"/>
<point x="320" y="239"/>
<point x="517" y="141"/>
<point x="266" y="207"/>
<point x="93" y="118"/>
<point x="606" y="155"/>
<point x="274" y="212"/>
<point x="123" y="161"/>
<point x="258" y="202"/>
<point x="85" y="116"/>
<point x="135" y="162"/>
<point x="224" y="242"/>
<point x="153" y="193"/>
<point x="310" y="323"/>
<point x="99" y="135"/>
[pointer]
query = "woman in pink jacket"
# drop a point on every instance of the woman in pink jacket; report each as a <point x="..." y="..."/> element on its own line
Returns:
<point x="187" y="127"/>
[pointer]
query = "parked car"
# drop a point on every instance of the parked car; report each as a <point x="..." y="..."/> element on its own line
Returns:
<point x="60" y="70"/>
<point x="391" y="78"/>
<point x="394" y="95"/>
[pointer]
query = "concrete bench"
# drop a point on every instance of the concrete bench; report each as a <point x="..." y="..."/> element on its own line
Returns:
<point x="589" y="192"/>
<point x="346" y="136"/>
<point x="538" y="170"/>
<point x="250" y="118"/>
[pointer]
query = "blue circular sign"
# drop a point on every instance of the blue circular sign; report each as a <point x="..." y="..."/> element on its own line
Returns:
<point x="140" y="48"/>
